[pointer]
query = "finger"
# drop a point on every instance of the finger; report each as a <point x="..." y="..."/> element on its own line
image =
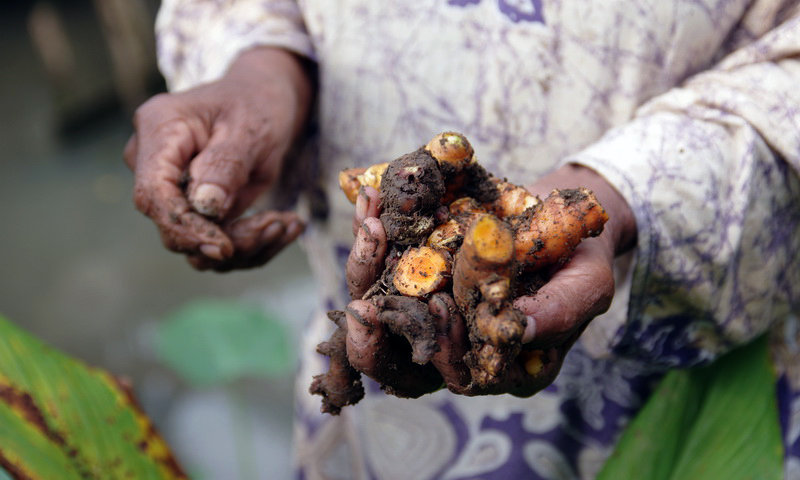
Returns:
<point x="576" y="293"/>
<point x="256" y="239"/>
<point x="129" y="153"/>
<point x="383" y="357"/>
<point x="366" y="260"/>
<point x="271" y="246"/>
<point x="245" y="198"/>
<point x="367" y="205"/>
<point x="451" y="335"/>
<point x="220" y="170"/>
<point x="162" y="153"/>
<point x="366" y="337"/>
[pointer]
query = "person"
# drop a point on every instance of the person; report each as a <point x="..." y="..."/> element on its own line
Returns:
<point x="682" y="116"/>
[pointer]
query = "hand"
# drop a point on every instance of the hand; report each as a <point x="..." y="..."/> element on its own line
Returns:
<point x="557" y="314"/>
<point x="203" y="156"/>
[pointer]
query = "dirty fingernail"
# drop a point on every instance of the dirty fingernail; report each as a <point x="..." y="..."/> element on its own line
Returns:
<point x="211" y="251"/>
<point x="361" y="205"/>
<point x="360" y="334"/>
<point x="208" y="199"/>
<point x="530" y="329"/>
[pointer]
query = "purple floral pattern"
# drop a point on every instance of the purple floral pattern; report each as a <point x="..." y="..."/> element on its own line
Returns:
<point x="690" y="108"/>
<point x="515" y="10"/>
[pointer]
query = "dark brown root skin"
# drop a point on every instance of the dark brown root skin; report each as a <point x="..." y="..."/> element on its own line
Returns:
<point x="411" y="192"/>
<point x="341" y="384"/>
<point x="417" y="194"/>
<point x="410" y="318"/>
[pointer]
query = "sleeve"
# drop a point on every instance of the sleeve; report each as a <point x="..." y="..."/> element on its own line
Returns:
<point x="198" y="39"/>
<point x="710" y="170"/>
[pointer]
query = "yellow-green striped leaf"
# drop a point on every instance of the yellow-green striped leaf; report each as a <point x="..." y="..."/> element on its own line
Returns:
<point x="60" y="419"/>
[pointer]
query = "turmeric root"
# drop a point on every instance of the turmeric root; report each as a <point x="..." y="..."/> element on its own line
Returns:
<point x="410" y="318"/>
<point x="411" y="189"/>
<point x="512" y="200"/>
<point x="440" y="204"/>
<point x="486" y="255"/>
<point x="422" y="271"/>
<point x="341" y="384"/>
<point x="352" y="179"/>
<point x="552" y="233"/>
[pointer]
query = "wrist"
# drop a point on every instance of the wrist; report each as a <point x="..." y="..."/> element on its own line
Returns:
<point x="280" y="72"/>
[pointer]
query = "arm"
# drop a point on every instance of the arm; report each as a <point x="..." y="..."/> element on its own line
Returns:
<point x="710" y="171"/>
<point x="691" y="180"/>
<point x="201" y="156"/>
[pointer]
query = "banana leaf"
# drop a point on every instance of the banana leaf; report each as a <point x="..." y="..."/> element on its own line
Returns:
<point x="709" y="423"/>
<point x="60" y="419"/>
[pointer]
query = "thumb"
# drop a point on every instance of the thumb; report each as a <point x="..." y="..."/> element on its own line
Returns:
<point x="578" y="292"/>
<point x="218" y="174"/>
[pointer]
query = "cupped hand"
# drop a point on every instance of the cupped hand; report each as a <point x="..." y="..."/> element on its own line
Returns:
<point x="203" y="156"/>
<point x="556" y="315"/>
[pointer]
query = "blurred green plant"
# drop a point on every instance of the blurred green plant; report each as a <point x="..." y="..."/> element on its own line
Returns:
<point x="715" y="422"/>
<point x="214" y="341"/>
<point x="60" y="419"/>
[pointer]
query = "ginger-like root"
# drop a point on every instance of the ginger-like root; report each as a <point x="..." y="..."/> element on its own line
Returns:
<point x="482" y="278"/>
<point x="422" y="271"/>
<point x="551" y="233"/>
<point x="411" y="190"/>
<point x="447" y="236"/>
<point x="349" y="183"/>
<point x="341" y="384"/>
<point x="410" y="318"/>
<point x="512" y="200"/>
<point x="438" y="203"/>
<point x="352" y="179"/>
<point x="486" y="254"/>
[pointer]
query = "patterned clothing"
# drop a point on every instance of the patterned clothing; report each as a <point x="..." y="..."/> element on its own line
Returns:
<point x="691" y="108"/>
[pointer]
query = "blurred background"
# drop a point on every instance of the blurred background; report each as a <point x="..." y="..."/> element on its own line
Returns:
<point x="86" y="273"/>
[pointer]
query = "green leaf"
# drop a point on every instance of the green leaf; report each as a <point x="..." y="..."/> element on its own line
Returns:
<point x="211" y="341"/>
<point x="62" y="419"/>
<point x="715" y="422"/>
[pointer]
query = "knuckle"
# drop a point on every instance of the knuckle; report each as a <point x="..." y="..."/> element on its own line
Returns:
<point x="148" y="109"/>
<point x="142" y="200"/>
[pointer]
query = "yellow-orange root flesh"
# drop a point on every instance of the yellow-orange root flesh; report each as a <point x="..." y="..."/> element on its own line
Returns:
<point x="555" y="229"/>
<point x="348" y="182"/>
<point x="451" y="148"/>
<point x="513" y="200"/>
<point x="498" y="326"/>
<point x="447" y="236"/>
<point x="352" y="179"/>
<point x="487" y="250"/>
<point x="422" y="271"/>
<point x="532" y="361"/>
<point x="465" y="205"/>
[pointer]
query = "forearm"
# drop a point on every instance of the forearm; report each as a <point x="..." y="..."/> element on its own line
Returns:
<point x="198" y="40"/>
<point x="710" y="171"/>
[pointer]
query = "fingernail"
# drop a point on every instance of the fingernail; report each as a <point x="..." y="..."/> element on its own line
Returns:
<point x="272" y="231"/>
<point x="295" y="228"/>
<point x="208" y="199"/>
<point x="530" y="329"/>
<point x="211" y="251"/>
<point x="361" y="205"/>
<point x="360" y="334"/>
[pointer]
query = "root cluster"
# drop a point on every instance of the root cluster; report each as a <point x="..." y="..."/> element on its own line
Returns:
<point x="455" y="229"/>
